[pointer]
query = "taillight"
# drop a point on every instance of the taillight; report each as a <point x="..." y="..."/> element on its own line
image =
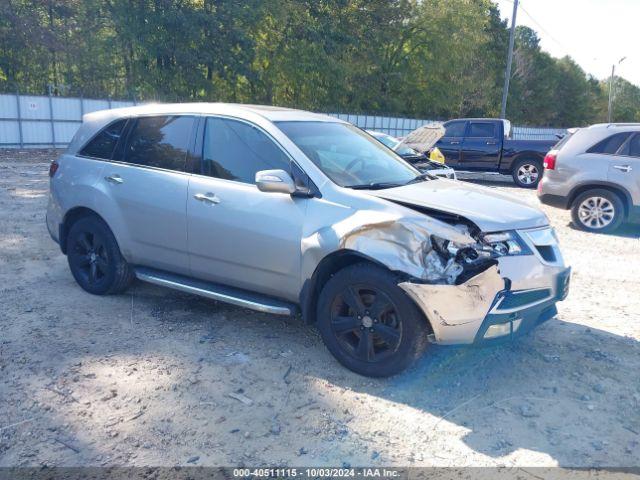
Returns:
<point x="550" y="160"/>
<point x="53" y="168"/>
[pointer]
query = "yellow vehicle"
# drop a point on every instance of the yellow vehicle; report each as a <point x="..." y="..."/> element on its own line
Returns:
<point x="436" y="155"/>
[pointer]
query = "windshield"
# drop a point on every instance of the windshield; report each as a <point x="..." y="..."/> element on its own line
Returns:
<point x="347" y="155"/>
<point x="388" y="140"/>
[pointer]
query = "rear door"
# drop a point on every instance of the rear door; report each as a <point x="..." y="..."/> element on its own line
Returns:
<point x="624" y="167"/>
<point x="148" y="184"/>
<point x="451" y="142"/>
<point x="481" y="146"/>
<point x="238" y="235"/>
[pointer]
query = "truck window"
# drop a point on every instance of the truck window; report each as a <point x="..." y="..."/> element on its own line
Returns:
<point x="482" y="130"/>
<point x="454" y="129"/>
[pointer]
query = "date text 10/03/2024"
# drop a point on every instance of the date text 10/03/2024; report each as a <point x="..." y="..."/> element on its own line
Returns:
<point x="316" y="472"/>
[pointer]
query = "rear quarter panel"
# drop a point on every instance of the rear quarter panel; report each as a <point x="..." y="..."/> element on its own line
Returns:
<point x="574" y="171"/>
<point x="77" y="184"/>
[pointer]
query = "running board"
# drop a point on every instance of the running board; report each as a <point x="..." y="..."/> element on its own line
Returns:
<point x="221" y="293"/>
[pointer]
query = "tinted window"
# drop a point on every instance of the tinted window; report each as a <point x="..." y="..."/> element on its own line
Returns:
<point x="236" y="151"/>
<point x="633" y="148"/>
<point x="454" y="129"/>
<point x="482" y="130"/>
<point x="159" y="142"/>
<point x="104" y="143"/>
<point x="610" y="145"/>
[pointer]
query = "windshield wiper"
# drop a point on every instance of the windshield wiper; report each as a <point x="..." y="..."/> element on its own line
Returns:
<point x="421" y="178"/>
<point x="374" y="186"/>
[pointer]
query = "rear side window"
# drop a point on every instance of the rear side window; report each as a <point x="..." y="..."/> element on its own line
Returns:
<point x="455" y="129"/>
<point x="160" y="142"/>
<point x="235" y="150"/>
<point x="610" y="145"/>
<point x="103" y="144"/>
<point x="482" y="130"/>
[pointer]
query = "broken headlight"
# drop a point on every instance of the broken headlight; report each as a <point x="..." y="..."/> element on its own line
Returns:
<point x="502" y="244"/>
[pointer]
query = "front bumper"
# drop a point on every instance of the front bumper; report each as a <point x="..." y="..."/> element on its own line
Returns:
<point x="500" y="303"/>
<point x="516" y="313"/>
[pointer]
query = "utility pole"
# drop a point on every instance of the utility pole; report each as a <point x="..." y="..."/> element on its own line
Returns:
<point x="613" y="71"/>
<point x="507" y="75"/>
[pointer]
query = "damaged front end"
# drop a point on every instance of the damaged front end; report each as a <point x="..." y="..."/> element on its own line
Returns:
<point x="447" y="266"/>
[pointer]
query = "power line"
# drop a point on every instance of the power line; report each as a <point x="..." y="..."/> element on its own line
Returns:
<point x="559" y="43"/>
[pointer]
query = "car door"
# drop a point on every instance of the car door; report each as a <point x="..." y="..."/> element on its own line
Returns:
<point x="450" y="144"/>
<point x="481" y="146"/>
<point x="624" y="167"/>
<point x="148" y="186"/>
<point x="239" y="235"/>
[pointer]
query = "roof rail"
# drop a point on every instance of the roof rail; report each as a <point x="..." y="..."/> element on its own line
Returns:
<point x="628" y="124"/>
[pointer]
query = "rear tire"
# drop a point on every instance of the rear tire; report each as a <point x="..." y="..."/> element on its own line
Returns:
<point x="527" y="173"/>
<point x="95" y="259"/>
<point x="369" y="323"/>
<point x="597" y="210"/>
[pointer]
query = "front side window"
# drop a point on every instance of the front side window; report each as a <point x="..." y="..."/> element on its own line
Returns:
<point x="235" y="150"/>
<point x="160" y="142"/>
<point x="103" y="144"/>
<point x="482" y="130"/>
<point x="632" y="149"/>
<point x="610" y="145"/>
<point x="347" y="155"/>
<point x="454" y="129"/>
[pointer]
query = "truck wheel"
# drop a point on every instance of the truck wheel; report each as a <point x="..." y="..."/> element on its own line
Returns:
<point x="369" y="323"/>
<point x="527" y="173"/>
<point x="597" y="210"/>
<point x="95" y="259"/>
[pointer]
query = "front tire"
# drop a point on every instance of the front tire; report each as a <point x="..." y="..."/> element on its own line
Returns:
<point x="369" y="323"/>
<point x="597" y="210"/>
<point x="95" y="259"/>
<point x="527" y="173"/>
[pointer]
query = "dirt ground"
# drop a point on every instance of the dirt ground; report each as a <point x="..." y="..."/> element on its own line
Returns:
<point x="157" y="377"/>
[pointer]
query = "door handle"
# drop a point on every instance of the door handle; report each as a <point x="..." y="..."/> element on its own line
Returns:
<point x="455" y="143"/>
<point x="117" y="179"/>
<point x="492" y="142"/>
<point x="208" y="197"/>
<point x="623" y="168"/>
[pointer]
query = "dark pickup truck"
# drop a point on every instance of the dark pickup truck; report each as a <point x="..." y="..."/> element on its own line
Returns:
<point x="484" y="144"/>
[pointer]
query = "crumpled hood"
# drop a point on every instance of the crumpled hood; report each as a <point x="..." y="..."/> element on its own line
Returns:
<point x="489" y="209"/>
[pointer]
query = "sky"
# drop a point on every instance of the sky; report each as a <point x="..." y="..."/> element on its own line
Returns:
<point x="595" y="33"/>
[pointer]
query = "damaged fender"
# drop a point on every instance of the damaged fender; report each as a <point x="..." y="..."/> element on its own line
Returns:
<point x="399" y="242"/>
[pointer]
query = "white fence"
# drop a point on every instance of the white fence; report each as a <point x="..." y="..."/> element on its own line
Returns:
<point x="29" y="121"/>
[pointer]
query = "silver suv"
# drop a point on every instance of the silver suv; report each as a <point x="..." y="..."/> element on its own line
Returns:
<point x="595" y="172"/>
<point x="289" y="212"/>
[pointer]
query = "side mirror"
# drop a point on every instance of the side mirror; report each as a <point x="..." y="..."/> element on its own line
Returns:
<point x="277" y="181"/>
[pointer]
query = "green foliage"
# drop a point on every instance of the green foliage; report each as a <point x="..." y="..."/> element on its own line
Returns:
<point x="427" y="58"/>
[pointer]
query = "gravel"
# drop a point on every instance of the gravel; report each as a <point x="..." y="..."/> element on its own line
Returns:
<point x="158" y="377"/>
